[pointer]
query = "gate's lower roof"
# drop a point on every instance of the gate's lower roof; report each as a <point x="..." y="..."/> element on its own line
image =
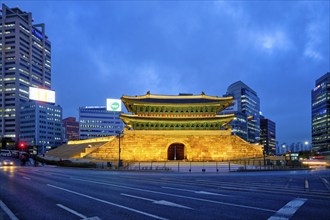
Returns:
<point x="130" y="120"/>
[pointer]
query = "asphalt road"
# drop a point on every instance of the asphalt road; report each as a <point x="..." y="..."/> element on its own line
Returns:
<point x="65" y="193"/>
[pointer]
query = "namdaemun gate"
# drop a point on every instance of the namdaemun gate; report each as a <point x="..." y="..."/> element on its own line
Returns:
<point x="165" y="128"/>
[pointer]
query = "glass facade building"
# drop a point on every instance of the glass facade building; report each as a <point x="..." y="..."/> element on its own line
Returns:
<point x="247" y="110"/>
<point x="25" y="61"/>
<point x="96" y="121"/>
<point x="321" y="115"/>
<point x="41" y="124"/>
<point x="239" y="125"/>
<point x="268" y="135"/>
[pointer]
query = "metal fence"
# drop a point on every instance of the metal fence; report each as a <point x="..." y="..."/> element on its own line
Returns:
<point x="202" y="167"/>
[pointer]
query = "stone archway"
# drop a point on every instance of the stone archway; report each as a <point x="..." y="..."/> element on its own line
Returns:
<point x="175" y="152"/>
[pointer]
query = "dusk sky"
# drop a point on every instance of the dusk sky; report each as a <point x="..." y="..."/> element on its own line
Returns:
<point x="106" y="49"/>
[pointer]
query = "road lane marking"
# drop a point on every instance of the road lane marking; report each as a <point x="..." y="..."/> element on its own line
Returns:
<point x="71" y="211"/>
<point x="243" y="187"/>
<point x="106" y="202"/>
<point x="288" y="183"/>
<point x="28" y="178"/>
<point x="325" y="180"/>
<point x="325" y="183"/>
<point x="197" y="192"/>
<point x="288" y="210"/>
<point x="306" y="185"/>
<point x="159" y="202"/>
<point x="174" y="195"/>
<point x="138" y="197"/>
<point x="7" y="211"/>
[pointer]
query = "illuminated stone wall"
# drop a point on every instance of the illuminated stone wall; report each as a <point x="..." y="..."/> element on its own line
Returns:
<point x="140" y="145"/>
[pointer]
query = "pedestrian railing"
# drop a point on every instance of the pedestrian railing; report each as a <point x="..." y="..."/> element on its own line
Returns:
<point x="214" y="167"/>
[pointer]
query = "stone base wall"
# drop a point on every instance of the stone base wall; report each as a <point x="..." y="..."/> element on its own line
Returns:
<point x="140" y="145"/>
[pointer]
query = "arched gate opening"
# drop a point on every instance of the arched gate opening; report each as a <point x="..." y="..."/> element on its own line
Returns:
<point x="175" y="152"/>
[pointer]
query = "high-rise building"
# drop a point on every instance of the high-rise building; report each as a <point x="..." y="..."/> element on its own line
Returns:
<point x="71" y="128"/>
<point x="97" y="121"/>
<point x="321" y="115"/>
<point x="41" y="124"/>
<point x="25" y="62"/>
<point x="247" y="109"/>
<point x="239" y="124"/>
<point x="268" y="135"/>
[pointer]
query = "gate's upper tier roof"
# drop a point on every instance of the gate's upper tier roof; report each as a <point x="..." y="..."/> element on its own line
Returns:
<point x="131" y="102"/>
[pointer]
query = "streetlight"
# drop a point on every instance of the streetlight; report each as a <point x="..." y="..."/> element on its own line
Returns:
<point x="307" y="148"/>
<point x="306" y="145"/>
<point x="119" y="150"/>
<point x="283" y="148"/>
<point x="264" y="153"/>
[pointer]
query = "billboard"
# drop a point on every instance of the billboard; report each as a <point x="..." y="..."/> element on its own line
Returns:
<point x="114" y="105"/>
<point x="43" y="95"/>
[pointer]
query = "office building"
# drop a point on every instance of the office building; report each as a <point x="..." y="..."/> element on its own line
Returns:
<point x="96" y="121"/>
<point x="247" y="109"/>
<point x="321" y="115"/>
<point x="294" y="147"/>
<point x="71" y="129"/>
<point x="25" y="62"/>
<point x="239" y="124"/>
<point x="41" y="124"/>
<point x="268" y="135"/>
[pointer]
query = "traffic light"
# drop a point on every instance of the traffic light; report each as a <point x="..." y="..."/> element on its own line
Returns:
<point x="22" y="145"/>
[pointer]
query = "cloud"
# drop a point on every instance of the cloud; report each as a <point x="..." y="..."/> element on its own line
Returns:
<point x="270" y="41"/>
<point x="314" y="32"/>
<point x="311" y="53"/>
<point x="139" y="76"/>
<point x="101" y="59"/>
<point x="155" y="77"/>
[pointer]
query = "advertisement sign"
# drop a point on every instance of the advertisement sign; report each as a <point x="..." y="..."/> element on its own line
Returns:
<point x="43" y="95"/>
<point x="114" y="105"/>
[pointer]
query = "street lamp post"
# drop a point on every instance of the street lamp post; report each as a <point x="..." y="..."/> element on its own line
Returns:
<point x="174" y="152"/>
<point x="306" y="145"/>
<point x="264" y="153"/>
<point x="119" y="150"/>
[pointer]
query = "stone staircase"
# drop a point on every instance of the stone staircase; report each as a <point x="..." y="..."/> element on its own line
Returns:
<point x="68" y="151"/>
<point x="107" y="151"/>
